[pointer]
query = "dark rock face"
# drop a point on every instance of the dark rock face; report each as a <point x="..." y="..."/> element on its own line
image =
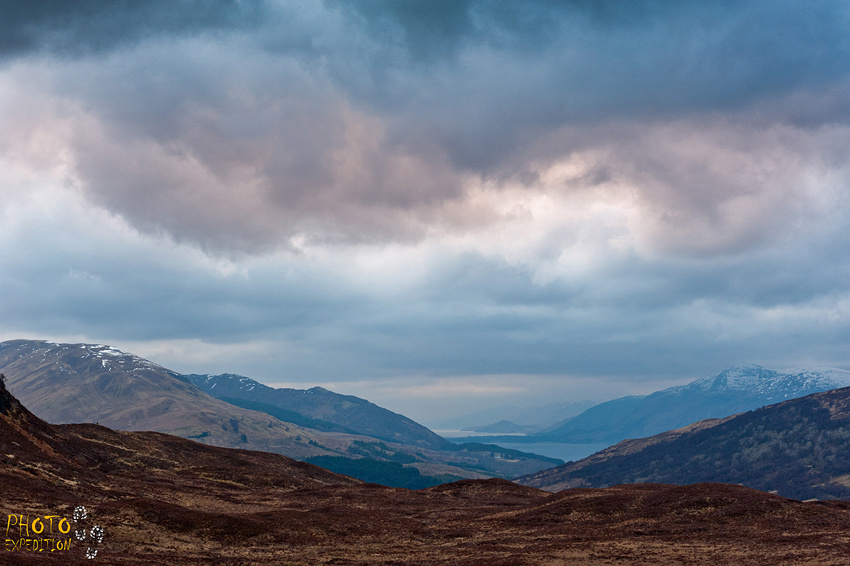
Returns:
<point x="4" y="395"/>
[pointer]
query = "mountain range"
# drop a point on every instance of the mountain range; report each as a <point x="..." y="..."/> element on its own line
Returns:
<point x="73" y="383"/>
<point x="798" y="448"/>
<point x="737" y="389"/>
<point x="160" y="499"/>
<point x="795" y="447"/>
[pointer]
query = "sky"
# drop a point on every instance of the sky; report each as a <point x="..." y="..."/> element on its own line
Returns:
<point x="438" y="205"/>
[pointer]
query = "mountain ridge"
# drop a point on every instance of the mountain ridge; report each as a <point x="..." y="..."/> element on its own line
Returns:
<point x="799" y="448"/>
<point x="348" y="411"/>
<point x="740" y="388"/>
<point x="73" y="383"/>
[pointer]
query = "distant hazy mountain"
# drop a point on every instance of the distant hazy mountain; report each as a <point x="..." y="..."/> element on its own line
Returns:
<point x="541" y="416"/>
<point x="353" y="413"/>
<point x="737" y="389"/>
<point x="544" y="416"/>
<point x="798" y="448"/>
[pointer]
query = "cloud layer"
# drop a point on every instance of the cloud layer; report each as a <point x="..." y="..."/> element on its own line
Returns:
<point x="430" y="188"/>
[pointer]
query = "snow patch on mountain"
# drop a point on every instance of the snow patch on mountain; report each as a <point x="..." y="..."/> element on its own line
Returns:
<point x="757" y="380"/>
<point x="108" y="356"/>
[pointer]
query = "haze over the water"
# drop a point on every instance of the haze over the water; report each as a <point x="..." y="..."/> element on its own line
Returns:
<point x="441" y="206"/>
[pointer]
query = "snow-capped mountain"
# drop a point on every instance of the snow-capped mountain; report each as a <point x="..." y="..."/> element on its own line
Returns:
<point x="740" y="388"/>
<point x="777" y="385"/>
<point x="79" y="357"/>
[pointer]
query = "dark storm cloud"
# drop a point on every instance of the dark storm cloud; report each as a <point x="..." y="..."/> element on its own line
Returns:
<point x="368" y="121"/>
<point x="484" y="79"/>
<point x="669" y="56"/>
<point x="76" y="271"/>
<point x="372" y="190"/>
<point x="78" y="27"/>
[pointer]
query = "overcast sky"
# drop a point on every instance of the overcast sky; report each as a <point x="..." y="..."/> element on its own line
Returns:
<point x="439" y="205"/>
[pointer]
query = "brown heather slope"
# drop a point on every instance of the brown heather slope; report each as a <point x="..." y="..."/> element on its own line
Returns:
<point x="798" y="448"/>
<point x="167" y="500"/>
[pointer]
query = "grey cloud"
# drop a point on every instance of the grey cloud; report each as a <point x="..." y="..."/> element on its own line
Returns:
<point x="243" y="161"/>
<point x="79" y="27"/>
<point x="612" y="56"/>
<point x="631" y="316"/>
<point x="508" y="80"/>
<point x="434" y="30"/>
<point x="364" y="122"/>
<point x="715" y="134"/>
<point x="427" y="30"/>
<point x="103" y="285"/>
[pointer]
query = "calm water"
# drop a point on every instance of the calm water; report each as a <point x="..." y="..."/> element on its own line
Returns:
<point x="565" y="452"/>
<point x="452" y="434"/>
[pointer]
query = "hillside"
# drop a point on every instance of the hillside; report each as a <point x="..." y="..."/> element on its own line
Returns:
<point x="737" y="389"/>
<point x="56" y="454"/>
<point x="72" y="383"/>
<point x="167" y="500"/>
<point x="798" y="448"/>
<point x="349" y="412"/>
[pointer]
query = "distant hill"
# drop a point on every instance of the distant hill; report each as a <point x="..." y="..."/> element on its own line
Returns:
<point x="737" y="389"/>
<point x="798" y="448"/>
<point x="351" y="413"/>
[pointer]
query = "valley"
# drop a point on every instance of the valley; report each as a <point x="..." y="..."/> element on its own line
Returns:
<point x="166" y="500"/>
